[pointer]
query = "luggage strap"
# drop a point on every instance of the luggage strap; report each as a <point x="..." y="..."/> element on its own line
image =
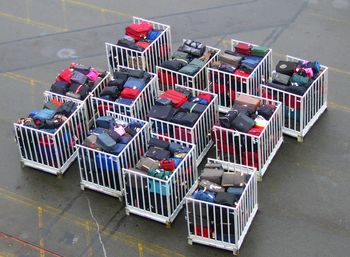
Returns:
<point x="78" y="89"/>
<point x="193" y="107"/>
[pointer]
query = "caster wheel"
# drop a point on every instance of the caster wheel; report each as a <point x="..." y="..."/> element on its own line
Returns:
<point x="127" y="213"/>
<point x="168" y="225"/>
<point x="22" y="165"/>
<point x="189" y="241"/>
<point x="59" y="175"/>
<point x="82" y="187"/>
<point x="300" y="139"/>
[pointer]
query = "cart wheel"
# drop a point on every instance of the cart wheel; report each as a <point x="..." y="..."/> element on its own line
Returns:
<point x="235" y="252"/>
<point x="120" y="199"/>
<point x="127" y="213"/>
<point x="189" y="241"/>
<point x="300" y="139"/>
<point x="259" y="178"/>
<point x="82" y="187"/>
<point x="22" y="164"/>
<point x="168" y="224"/>
<point x="59" y="175"/>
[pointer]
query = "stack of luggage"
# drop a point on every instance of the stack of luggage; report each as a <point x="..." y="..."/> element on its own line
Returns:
<point x="179" y="106"/>
<point x="159" y="161"/>
<point x="223" y="188"/>
<point x="76" y="81"/>
<point x="189" y="58"/>
<point x="240" y="62"/>
<point x="125" y="86"/>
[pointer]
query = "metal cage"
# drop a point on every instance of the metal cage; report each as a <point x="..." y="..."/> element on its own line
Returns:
<point x="226" y="85"/>
<point x="52" y="152"/>
<point x="199" y="134"/>
<point x="138" y="109"/>
<point x="247" y="149"/>
<point x="102" y="171"/>
<point x="157" y="52"/>
<point x="157" y="199"/>
<point x="301" y="112"/>
<point x="222" y="226"/>
<point x="169" y="78"/>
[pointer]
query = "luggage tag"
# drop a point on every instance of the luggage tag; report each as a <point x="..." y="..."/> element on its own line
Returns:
<point x="260" y="121"/>
<point x="120" y="130"/>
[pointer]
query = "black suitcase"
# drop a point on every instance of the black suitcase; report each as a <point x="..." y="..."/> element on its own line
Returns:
<point x="243" y="123"/>
<point x="107" y="122"/>
<point x="277" y="86"/>
<point x="157" y="153"/>
<point x="155" y="142"/>
<point x="286" y="67"/>
<point x="78" y="77"/>
<point x="60" y="87"/>
<point x="266" y="111"/>
<point x="162" y="112"/>
<point x="225" y="198"/>
<point x="280" y="78"/>
<point x="172" y="65"/>
<point x="298" y="90"/>
<point x="193" y="107"/>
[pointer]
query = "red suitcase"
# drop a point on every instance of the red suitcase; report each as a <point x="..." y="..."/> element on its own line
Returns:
<point x="129" y="93"/>
<point x="138" y="31"/>
<point x="176" y="97"/>
<point x="243" y="48"/>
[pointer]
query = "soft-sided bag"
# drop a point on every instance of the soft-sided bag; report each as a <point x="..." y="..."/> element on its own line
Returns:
<point x="118" y="148"/>
<point x="66" y="109"/>
<point x="60" y="87"/>
<point x="230" y="59"/>
<point x="93" y="75"/>
<point x="175" y="147"/>
<point x="176" y="97"/>
<point x="213" y="175"/>
<point x="298" y="90"/>
<point x="130" y="93"/>
<point x="286" y="67"/>
<point x="226" y="121"/>
<point x="210" y="186"/>
<point x="280" y="78"/>
<point x="138" y="31"/>
<point x="143" y="44"/>
<point x="251" y="102"/>
<point x="106" y="142"/>
<point x="243" y="123"/>
<point x="158" y="143"/>
<point x="204" y="195"/>
<point x="237" y="191"/>
<point x="153" y="34"/>
<point x="177" y="161"/>
<point x="135" y="83"/>
<point x="192" y="47"/>
<point x="225" y="198"/>
<point x="106" y="122"/>
<point x="189" y="69"/>
<point x="78" y="77"/>
<point x="66" y="75"/>
<point x="167" y="165"/>
<point x="160" y="173"/>
<point x="193" y="107"/>
<point x="43" y="115"/>
<point x="111" y="91"/>
<point x="91" y="141"/>
<point x="157" y="153"/>
<point x="302" y="81"/>
<point x="172" y="65"/>
<point x="78" y="91"/>
<point x="162" y="112"/>
<point x="125" y="139"/>
<point x="146" y="163"/>
<point x="266" y="111"/>
<point x="163" y="101"/>
<point x="259" y="51"/>
<point x="243" y="48"/>
<point x="233" y="179"/>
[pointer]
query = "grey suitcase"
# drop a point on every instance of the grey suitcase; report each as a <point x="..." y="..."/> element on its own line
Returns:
<point x="280" y="78"/>
<point x="230" y="59"/>
<point x="146" y="164"/>
<point x="233" y="179"/>
<point x="213" y="175"/>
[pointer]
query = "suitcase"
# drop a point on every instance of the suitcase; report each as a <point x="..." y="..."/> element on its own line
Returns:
<point x="193" y="107"/>
<point x="176" y="97"/>
<point x="130" y="93"/>
<point x="189" y="69"/>
<point x="78" y="91"/>
<point x="233" y="179"/>
<point x="143" y="44"/>
<point x="266" y="111"/>
<point x="173" y="65"/>
<point x="106" y="122"/>
<point x="163" y="101"/>
<point x="177" y="161"/>
<point x="155" y="142"/>
<point x="230" y="59"/>
<point x="154" y="186"/>
<point x="124" y="101"/>
<point x="203" y="195"/>
<point x="210" y="186"/>
<point x="154" y="34"/>
<point x="192" y="47"/>
<point x="183" y="134"/>
<point x="213" y="175"/>
<point x="106" y="163"/>
<point x="157" y="153"/>
<point x="125" y="139"/>
<point x="118" y="148"/>
<point x="110" y="91"/>
<point x="227" y="68"/>
<point x="138" y="31"/>
<point x="297" y="90"/>
<point x="93" y="75"/>
<point x="167" y="165"/>
<point x="286" y="67"/>
<point x="251" y="102"/>
<point x="185" y="118"/>
<point x="66" y="75"/>
<point x="135" y="83"/>
<point x="249" y="63"/>
<point x="243" y="48"/>
<point x="243" y="74"/>
<point x="175" y="147"/>
<point x="243" y="123"/>
<point x="259" y="51"/>
<point x="78" y="77"/>
<point x="162" y="112"/>
<point x="280" y="78"/>
<point x="238" y="191"/>
<point x="256" y="131"/>
<point x="59" y="87"/>
<point x="225" y="198"/>
<point x="292" y="114"/>
<point x="106" y="142"/>
<point x="301" y="81"/>
<point x="146" y="163"/>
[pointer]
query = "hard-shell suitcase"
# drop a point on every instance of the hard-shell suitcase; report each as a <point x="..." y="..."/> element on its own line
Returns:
<point x="233" y="179"/>
<point x="230" y="59"/>
<point x="193" y="107"/>
<point x="106" y="122"/>
<point x="138" y="31"/>
<point x="146" y="163"/>
<point x="176" y="97"/>
<point x="243" y="48"/>
<point x="259" y="51"/>
<point x="106" y="142"/>
<point x="243" y="123"/>
<point x="157" y="153"/>
<point x="286" y="67"/>
<point x="280" y="78"/>
<point x="225" y="198"/>
<point x="162" y="112"/>
<point x="251" y="102"/>
<point x="213" y="175"/>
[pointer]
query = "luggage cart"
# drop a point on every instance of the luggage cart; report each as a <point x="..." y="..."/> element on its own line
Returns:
<point x="226" y="85"/>
<point x="199" y="134"/>
<point x="157" y="52"/>
<point x="169" y="78"/>
<point x="301" y="112"/>
<point x="102" y="171"/>
<point x="219" y="225"/>
<point x="52" y="152"/>
<point x="157" y="199"/>
<point x="247" y="149"/>
<point x="100" y="83"/>
<point x="138" y="109"/>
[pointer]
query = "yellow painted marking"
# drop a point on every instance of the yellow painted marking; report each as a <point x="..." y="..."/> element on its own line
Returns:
<point x="63" y="3"/>
<point x="140" y="247"/>
<point x="330" y="18"/>
<point x="116" y="235"/>
<point x="27" y="10"/>
<point x="88" y="238"/>
<point x="30" y="21"/>
<point x="40" y="226"/>
<point x="98" y="8"/>
<point x="24" y="79"/>
<point x="340" y="107"/>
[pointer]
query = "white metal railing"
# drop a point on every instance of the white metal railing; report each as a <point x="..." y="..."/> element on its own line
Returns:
<point x="169" y="78"/>
<point x="52" y="152"/>
<point x="247" y="149"/>
<point x="222" y="226"/>
<point x="301" y="112"/>
<point x="227" y="85"/>
<point x="199" y="134"/>
<point x="157" y="199"/>
<point x="158" y="51"/>
<point x="102" y="171"/>
<point x="138" y="109"/>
